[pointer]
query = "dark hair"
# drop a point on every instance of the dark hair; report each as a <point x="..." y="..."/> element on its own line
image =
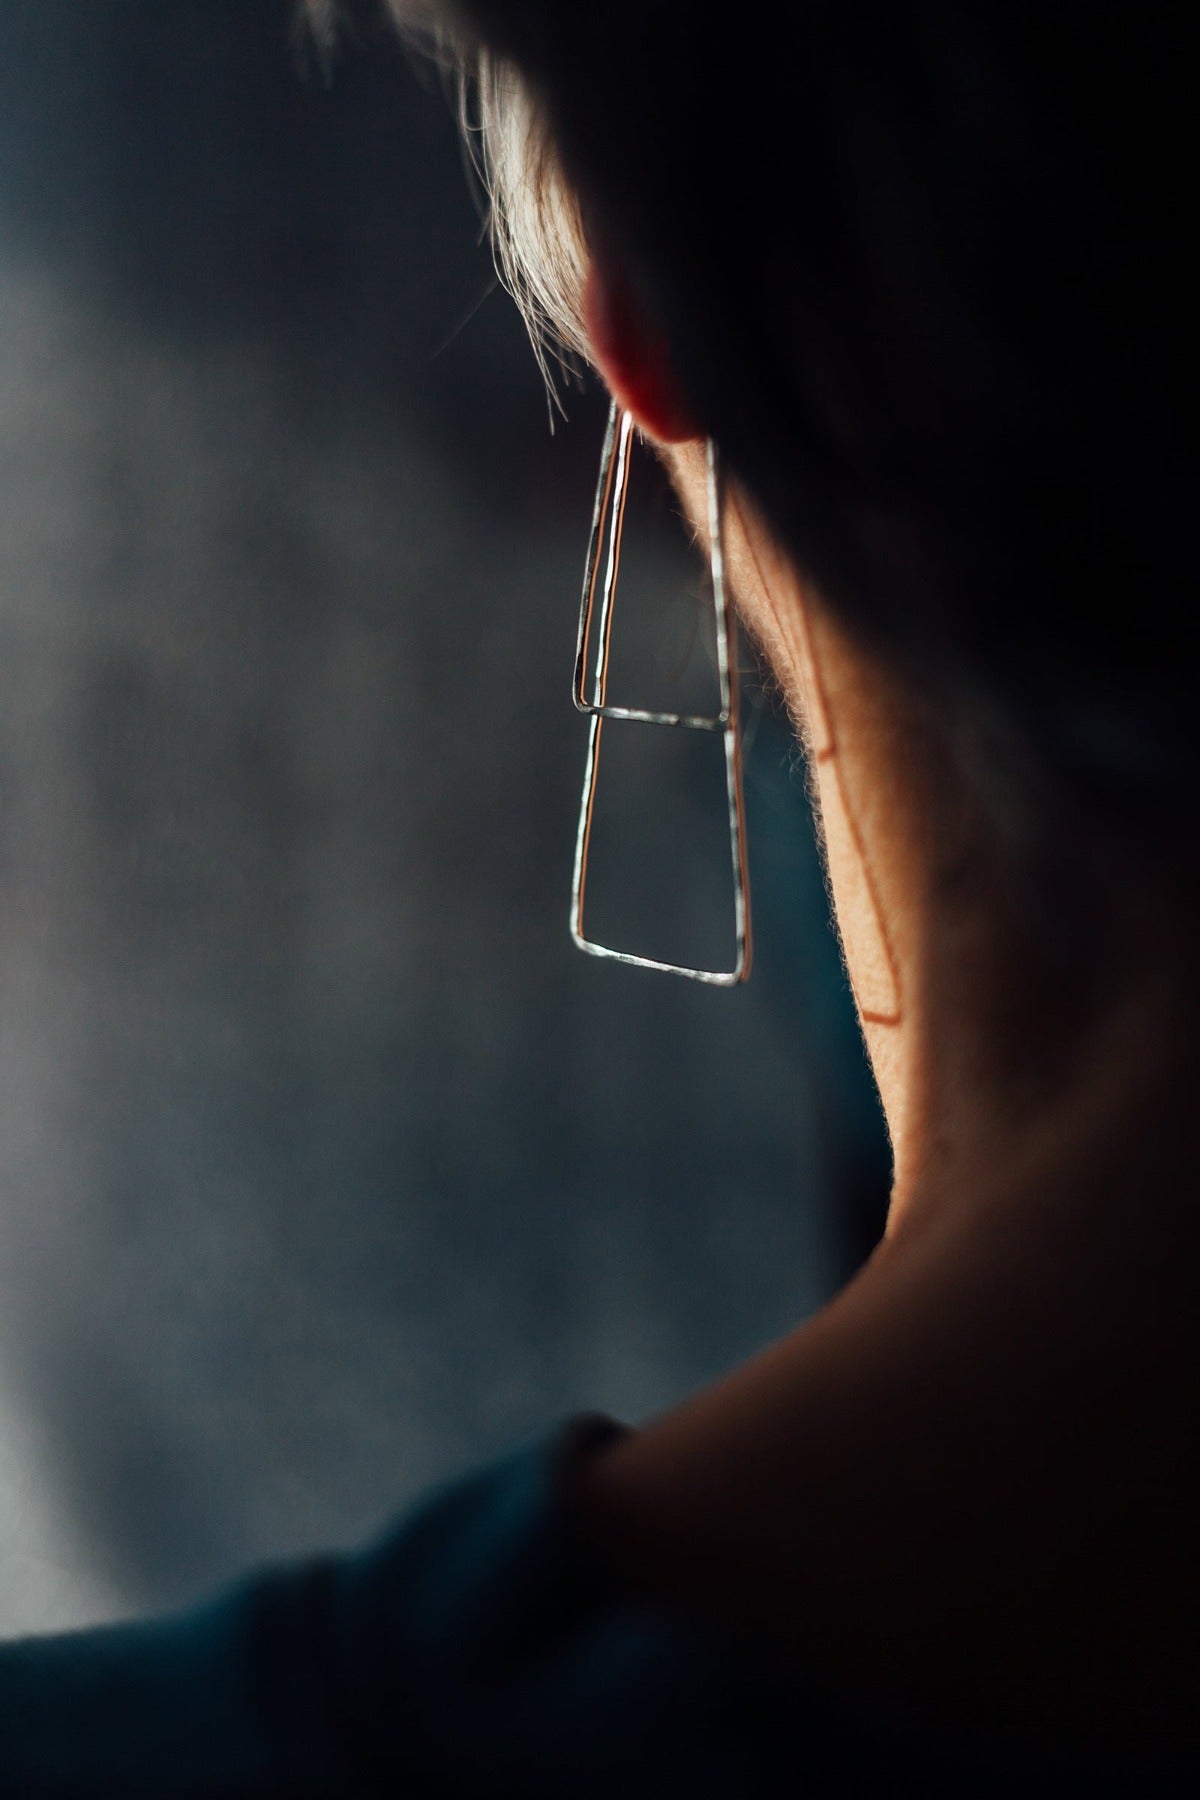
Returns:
<point x="925" y="268"/>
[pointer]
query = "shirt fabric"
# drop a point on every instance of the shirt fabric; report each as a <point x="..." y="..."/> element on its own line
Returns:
<point x="478" y="1649"/>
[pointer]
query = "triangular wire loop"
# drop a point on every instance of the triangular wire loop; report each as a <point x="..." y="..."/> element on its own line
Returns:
<point x="601" y="571"/>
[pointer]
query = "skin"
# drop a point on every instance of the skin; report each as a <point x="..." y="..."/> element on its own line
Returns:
<point x="966" y="1487"/>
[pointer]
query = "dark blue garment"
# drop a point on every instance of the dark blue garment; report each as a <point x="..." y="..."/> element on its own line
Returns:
<point x="476" y="1650"/>
<point x="470" y="1652"/>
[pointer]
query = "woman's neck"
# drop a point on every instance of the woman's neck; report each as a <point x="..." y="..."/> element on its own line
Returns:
<point x="963" y="1486"/>
<point x="1021" y="1002"/>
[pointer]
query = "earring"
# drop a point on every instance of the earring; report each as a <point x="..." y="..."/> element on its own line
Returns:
<point x="610" y="506"/>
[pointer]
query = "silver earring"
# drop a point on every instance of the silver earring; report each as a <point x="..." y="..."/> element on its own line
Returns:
<point x="610" y="505"/>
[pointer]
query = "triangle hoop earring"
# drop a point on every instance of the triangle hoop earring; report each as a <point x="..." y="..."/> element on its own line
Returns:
<point x="609" y="510"/>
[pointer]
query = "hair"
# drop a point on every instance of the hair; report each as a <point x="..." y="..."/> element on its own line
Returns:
<point x="922" y="265"/>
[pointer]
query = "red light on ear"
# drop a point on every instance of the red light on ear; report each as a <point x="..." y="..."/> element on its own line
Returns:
<point x="635" y="359"/>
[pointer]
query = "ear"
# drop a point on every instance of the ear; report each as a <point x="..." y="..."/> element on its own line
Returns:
<point x="634" y="358"/>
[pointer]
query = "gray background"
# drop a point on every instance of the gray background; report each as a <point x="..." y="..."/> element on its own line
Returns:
<point x="326" y="1164"/>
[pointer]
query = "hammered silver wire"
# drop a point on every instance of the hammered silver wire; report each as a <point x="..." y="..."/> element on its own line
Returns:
<point x="611" y="490"/>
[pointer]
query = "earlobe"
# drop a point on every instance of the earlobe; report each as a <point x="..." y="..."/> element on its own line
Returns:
<point x="634" y="358"/>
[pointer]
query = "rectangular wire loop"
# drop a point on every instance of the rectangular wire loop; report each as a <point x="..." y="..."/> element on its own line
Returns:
<point x="611" y="490"/>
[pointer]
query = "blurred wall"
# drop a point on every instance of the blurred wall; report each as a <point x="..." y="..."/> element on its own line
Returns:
<point x="326" y="1164"/>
